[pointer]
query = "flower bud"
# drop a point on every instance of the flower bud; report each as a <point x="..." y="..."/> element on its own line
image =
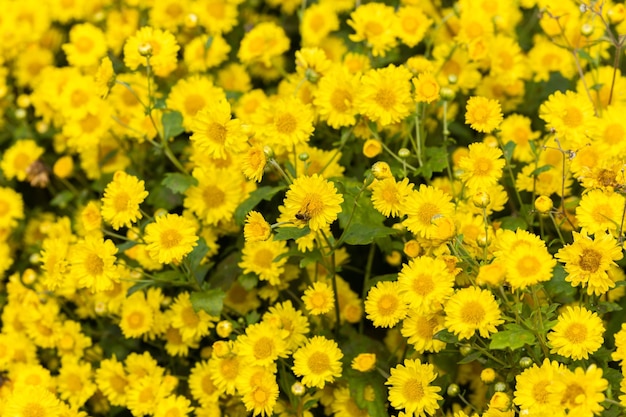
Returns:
<point x="224" y="328"/>
<point x="499" y="386"/>
<point x="404" y="153"/>
<point x="381" y="170"/>
<point x="481" y="199"/>
<point x="525" y="362"/>
<point x="543" y="204"/>
<point x="145" y="49"/>
<point x="298" y="389"/>
<point x="488" y="375"/>
<point x="453" y="390"/>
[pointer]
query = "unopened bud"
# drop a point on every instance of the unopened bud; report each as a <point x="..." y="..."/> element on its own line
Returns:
<point x="145" y="49"/>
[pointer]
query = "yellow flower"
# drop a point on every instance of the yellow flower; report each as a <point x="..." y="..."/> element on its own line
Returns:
<point x="580" y="392"/>
<point x="385" y="94"/>
<point x="264" y="42"/>
<point x="531" y="388"/>
<point x="425" y="283"/>
<point x="216" y="16"/>
<point x="86" y="47"/>
<point x="285" y="316"/>
<point x="410" y="389"/>
<point x="372" y="148"/>
<point x="384" y="305"/>
<point x="112" y="380"/>
<point x="121" y="200"/>
<point x="253" y="163"/>
<point x="335" y="95"/>
<point x="572" y="117"/>
<point x="290" y="123"/>
<point x="482" y="167"/>
<point x="11" y="207"/>
<point x="170" y="238"/>
<point x="577" y="333"/>
<point x="483" y="114"/>
<point x="32" y="401"/>
<point x="318" y="20"/>
<point x="262" y="344"/>
<point x="412" y="25"/>
<point x="374" y="23"/>
<point x="192" y="94"/>
<point x="319" y="298"/>
<point x="318" y="361"/>
<point x="199" y="58"/>
<point x="137" y="316"/>
<point x="18" y="157"/>
<point x="215" y="132"/>
<point x="74" y="381"/>
<point x="364" y="362"/>
<point x="93" y="263"/>
<point x="173" y="405"/>
<point x="600" y="211"/>
<point x="192" y="324"/>
<point x="420" y="329"/>
<point x="224" y="371"/>
<point x="261" y="258"/>
<point x="516" y="128"/>
<point x="423" y="207"/>
<point x="426" y="87"/>
<point x="201" y="385"/>
<point x="259" y="390"/>
<point x="311" y="201"/>
<point x="472" y="309"/>
<point x="156" y="45"/>
<point x="256" y="228"/>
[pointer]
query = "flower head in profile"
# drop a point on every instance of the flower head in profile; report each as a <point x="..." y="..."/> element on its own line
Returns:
<point x="472" y="310"/>
<point x="312" y="201"/>
<point x="121" y="200"/>
<point x="482" y="167"/>
<point x="253" y="163"/>
<point x="385" y="94"/>
<point x="156" y="45"/>
<point x="483" y="114"/>
<point x="318" y="361"/>
<point x="256" y="227"/>
<point x="170" y="238"/>
<point x="577" y="333"/>
<point x="410" y="389"/>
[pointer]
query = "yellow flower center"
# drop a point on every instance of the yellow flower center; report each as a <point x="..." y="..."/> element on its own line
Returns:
<point x="170" y="238"/>
<point x="263" y="258"/>
<point x="576" y="333"/>
<point x="120" y="201"/>
<point x="74" y="382"/>
<point x="373" y="28"/>
<point x="21" y="161"/>
<point x="260" y="396"/>
<point x="263" y="348"/>
<point x="4" y="208"/>
<point x="506" y="60"/>
<point x="84" y="44"/>
<point x="135" y="320"/>
<point x="217" y="133"/>
<point x="173" y="10"/>
<point x="79" y="98"/>
<point x="173" y="336"/>
<point x="606" y="178"/>
<point x="590" y="260"/>
<point x="387" y="304"/>
<point x="146" y="395"/>
<point x="413" y="390"/>
<point x="34" y="410"/>
<point x="318" y="300"/>
<point x="230" y="368"/>
<point x="472" y="313"/>
<point x="286" y="123"/>
<point x="173" y="412"/>
<point x="520" y="135"/>
<point x="319" y="362"/>
<point x="189" y="316"/>
<point x="474" y="30"/>
<point x="540" y="393"/>
<point x="89" y="124"/>
<point x="528" y="265"/>
<point x="118" y="383"/>
<point x="573" y="394"/>
<point x="33" y="379"/>
<point x="601" y="213"/>
<point x="317" y="22"/>
<point x="216" y="9"/>
<point x="94" y="265"/>
<point x="428" y="89"/>
<point x="573" y="117"/>
<point x="213" y="197"/>
<point x="390" y="195"/>
<point x="193" y="103"/>
<point x="341" y="99"/>
<point x="424" y="328"/>
<point x="409" y="24"/>
<point x="385" y="98"/>
<point x="66" y="342"/>
<point x="426" y="213"/>
<point x="613" y="133"/>
<point x="423" y="285"/>
<point x="208" y="387"/>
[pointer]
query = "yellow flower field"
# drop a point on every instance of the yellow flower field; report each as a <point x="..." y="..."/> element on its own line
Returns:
<point x="300" y="208"/>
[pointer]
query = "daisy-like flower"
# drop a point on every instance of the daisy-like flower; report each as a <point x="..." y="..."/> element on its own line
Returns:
<point x="470" y="310"/>
<point x="318" y="20"/>
<point x="587" y="261"/>
<point x="290" y="123"/>
<point x="256" y="227"/>
<point x="105" y="77"/>
<point x="262" y="344"/>
<point x="319" y="298"/>
<point x="571" y="115"/>
<point x="74" y="381"/>
<point x="426" y="87"/>
<point x="423" y="207"/>
<point x="385" y="95"/>
<point x="32" y="401"/>
<point x="201" y="385"/>
<point x="420" y="329"/>
<point x="516" y="128"/>
<point x="11" y="207"/>
<point x="384" y="305"/>
<point x="192" y="94"/>
<point x="86" y="47"/>
<point x="335" y="95"/>
<point x="259" y="390"/>
<point x="311" y="200"/>
<point x="389" y="196"/>
<point x="412" y="25"/>
<point x="112" y="380"/>
<point x="410" y="389"/>
<point x="17" y="158"/>
<point x="482" y="166"/>
<point x="170" y="238"/>
<point x="375" y="24"/>
<point x="215" y="132"/>
<point x="364" y="362"/>
<point x="159" y="46"/>
<point x="121" y="200"/>
<point x="191" y="324"/>
<point x="600" y="211"/>
<point x="261" y="258"/>
<point x="577" y="333"/>
<point x="285" y="316"/>
<point x="92" y="263"/>
<point x="200" y="59"/>
<point x="173" y="405"/>
<point x="318" y="361"/>
<point x="531" y="388"/>
<point x="253" y="163"/>
<point x="580" y="392"/>
<point x="425" y="283"/>
<point x="483" y="114"/>
<point x="264" y="42"/>
<point x="137" y="316"/>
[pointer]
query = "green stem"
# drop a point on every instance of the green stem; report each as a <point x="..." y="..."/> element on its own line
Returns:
<point x="366" y="278"/>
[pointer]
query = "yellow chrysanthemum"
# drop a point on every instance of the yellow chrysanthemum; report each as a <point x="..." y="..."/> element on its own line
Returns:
<point x="580" y="392"/>
<point x="577" y="333"/>
<point x="335" y="95"/>
<point x="425" y="283"/>
<point x="86" y="47"/>
<point x="426" y="87"/>
<point x="261" y="258"/>
<point x="319" y="298"/>
<point x="159" y="46"/>
<point x="259" y="390"/>
<point x="32" y="401"/>
<point x="516" y="128"/>
<point x="74" y="382"/>
<point x="256" y="228"/>
<point x="483" y="114"/>
<point x="137" y="316"/>
<point x="253" y="163"/>
<point x="191" y="324"/>
<point x="374" y="23"/>
<point x="384" y="305"/>
<point x="18" y="157"/>
<point x="318" y="20"/>
<point x="170" y="238"/>
<point x="531" y="388"/>
<point x="389" y="196"/>
<point x="201" y="385"/>
<point x="192" y="94"/>
<point x="410" y="389"/>
<point x="600" y="211"/>
<point x="318" y="361"/>
<point x="215" y="132"/>
<point x="482" y="167"/>
<point x="112" y="380"/>
<point x="93" y="265"/>
<point x="420" y="329"/>
<point x="121" y="200"/>
<point x="470" y="310"/>
<point x="385" y="94"/>
<point x="571" y="115"/>
<point x="264" y="42"/>
<point x="423" y="207"/>
<point x="173" y="405"/>
<point x="262" y="344"/>
<point x="311" y="201"/>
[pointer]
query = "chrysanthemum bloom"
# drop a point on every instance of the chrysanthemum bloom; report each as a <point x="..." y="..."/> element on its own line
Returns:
<point x="483" y="114"/>
<point x="425" y="283"/>
<point x="262" y="344"/>
<point x="620" y="346"/>
<point x="86" y="46"/>
<point x="319" y="161"/>
<point x="580" y="392"/>
<point x="74" y="382"/>
<point x="192" y="94"/>
<point x="577" y="333"/>
<point x="385" y="94"/>
<point x="319" y="298"/>
<point x="32" y="401"/>
<point x="571" y="115"/>
<point x="470" y="310"/>
<point x="264" y="42"/>
<point x="384" y="304"/>
<point x="200" y="59"/>
<point x="412" y="25"/>
<point x="375" y="24"/>
<point x="334" y="97"/>
<point x="389" y="196"/>
<point x="426" y="87"/>
<point x="215" y="132"/>
<point x="600" y="211"/>
<point x="173" y="405"/>
<point x="159" y="46"/>
<point x="256" y="228"/>
<point x="54" y="262"/>
<point x="587" y="261"/>
<point x="516" y="128"/>
<point x="410" y="389"/>
<point x="201" y="385"/>
<point x="261" y="258"/>
<point x="253" y="163"/>
<point x="259" y="390"/>
<point x="423" y="207"/>
<point x="145" y="393"/>
<point x="311" y="201"/>
<point x="482" y="167"/>
<point x="121" y="200"/>
<point x="93" y="263"/>
<point x="364" y="362"/>
<point x="318" y="20"/>
<point x="372" y="148"/>
<point x="343" y="404"/>
<point x="112" y="381"/>
<point x="531" y="389"/>
<point x="137" y="316"/>
<point x="17" y="158"/>
<point x="224" y="372"/>
<point x="170" y="238"/>
<point x="420" y="329"/>
<point x="290" y="123"/>
<point x="318" y="361"/>
<point x="192" y="324"/>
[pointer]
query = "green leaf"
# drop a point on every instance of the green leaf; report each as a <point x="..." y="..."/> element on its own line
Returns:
<point x="256" y="196"/>
<point x="125" y="246"/>
<point x="445" y="336"/>
<point x="177" y="182"/>
<point x="197" y="254"/>
<point x="557" y="286"/>
<point x="248" y="281"/>
<point x="172" y="124"/>
<point x="368" y="383"/>
<point x="436" y="158"/>
<point x="211" y="301"/>
<point x="470" y="357"/>
<point x="62" y="199"/>
<point x="286" y="233"/>
<point x="513" y="223"/>
<point x="515" y="337"/>
<point x="508" y="149"/>
<point x="164" y="198"/>
<point x="138" y="287"/>
<point x="541" y="169"/>
<point x="607" y="307"/>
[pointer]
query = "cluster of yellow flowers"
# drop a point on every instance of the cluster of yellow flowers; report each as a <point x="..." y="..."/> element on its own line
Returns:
<point x="312" y="208"/>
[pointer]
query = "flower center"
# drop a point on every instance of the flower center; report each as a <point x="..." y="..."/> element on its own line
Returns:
<point x="170" y="238"/>
<point x="208" y="387"/>
<point x="576" y="333"/>
<point x="385" y="98"/>
<point x="260" y="396"/>
<point x="319" y="362"/>
<point x="189" y="316"/>
<point x="573" y="117"/>
<point x="94" y="264"/>
<point x="373" y="28"/>
<point x="590" y="260"/>
<point x="318" y="300"/>
<point x="528" y="265"/>
<point x="84" y="44"/>
<point x="540" y="393"/>
<point x="341" y="99"/>
<point x="601" y="213"/>
<point x="423" y="285"/>
<point x="213" y="196"/>
<point x="193" y="103"/>
<point x="135" y="320"/>
<point x="230" y="368"/>
<point x="286" y="123"/>
<point x="118" y="383"/>
<point x="263" y="258"/>
<point x="34" y="410"/>
<point x="74" y="383"/>
<point x="387" y="304"/>
<point x="263" y="348"/>
<point x="413" y="390"/>
<point x="613" y="133"/>
<point x="426" y="213"/>
<point x="572" y="395"/>
<point x="120" y="201"/>
<point x="472" y="313"/>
